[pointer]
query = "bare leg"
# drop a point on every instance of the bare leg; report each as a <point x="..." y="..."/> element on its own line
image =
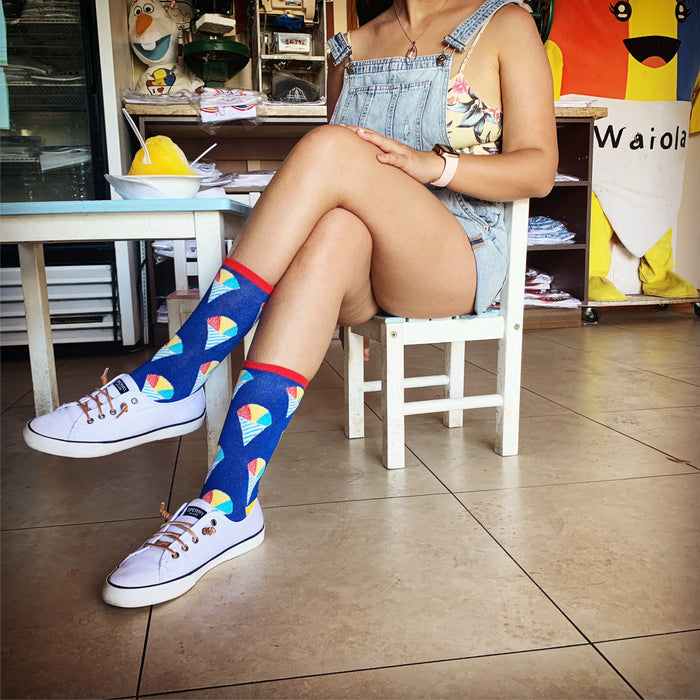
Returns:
<point x="327" y="282"/>
<point x="421" y="261"/>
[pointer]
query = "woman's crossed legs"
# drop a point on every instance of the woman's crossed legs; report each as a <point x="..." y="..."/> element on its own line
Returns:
<point x="335" y="236"/>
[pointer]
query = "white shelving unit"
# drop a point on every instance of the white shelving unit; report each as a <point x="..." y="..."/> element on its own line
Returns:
<point x="311" y="66"/>
<point x="82" y="303"/>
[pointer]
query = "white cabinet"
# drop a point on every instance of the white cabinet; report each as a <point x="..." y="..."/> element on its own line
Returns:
<point x="82" y="302"/>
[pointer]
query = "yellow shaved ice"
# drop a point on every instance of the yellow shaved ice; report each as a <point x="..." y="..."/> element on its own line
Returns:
<point x="167" y="158"/>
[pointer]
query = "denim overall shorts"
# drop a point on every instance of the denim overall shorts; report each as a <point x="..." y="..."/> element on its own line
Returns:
<point x="406" y="100"/>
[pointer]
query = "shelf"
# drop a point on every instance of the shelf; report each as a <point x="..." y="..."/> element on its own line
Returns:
<point x="47" y="21"/>
<point x="537" y="317"/>
<point x="63" y="97"/>
<point x="644" y="300"/>
<point x="267" y="113"/>
<point x="563" y="246"/>
<point x="310" y="67"/>
<point x="292" y="57"/>
<point x="572" y="183"/>
<point x="583" y="112"/>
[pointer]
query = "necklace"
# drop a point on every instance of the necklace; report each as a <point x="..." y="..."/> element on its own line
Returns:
<point x="413" y="51"/>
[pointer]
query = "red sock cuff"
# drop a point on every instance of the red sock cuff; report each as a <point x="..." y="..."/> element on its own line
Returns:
<point x="276" y="369"/>
<point x="249" y="275"/>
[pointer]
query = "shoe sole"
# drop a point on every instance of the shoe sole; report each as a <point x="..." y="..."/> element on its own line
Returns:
<point x="122" y="597"/>
<point x="64" y="448"/>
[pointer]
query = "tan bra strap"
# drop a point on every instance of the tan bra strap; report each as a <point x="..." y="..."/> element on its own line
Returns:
<point x="472" y="46"/>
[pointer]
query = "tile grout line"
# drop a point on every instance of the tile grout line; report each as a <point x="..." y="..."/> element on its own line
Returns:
<point x="411" y="664"/>
<point x="548" y="597"/>
<point x="143" y="653"/>
<point x="537" y="585"/>
<point x="150" y="610"/>
<point x="615" y="430"/>
<point x="366" y="669"/>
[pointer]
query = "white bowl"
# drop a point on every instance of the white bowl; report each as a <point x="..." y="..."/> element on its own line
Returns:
<point x="155" y="186"/>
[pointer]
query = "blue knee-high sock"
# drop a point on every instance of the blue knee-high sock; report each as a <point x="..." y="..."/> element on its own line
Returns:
<point x="263" y="403"/>
<point x="222" y="318"/>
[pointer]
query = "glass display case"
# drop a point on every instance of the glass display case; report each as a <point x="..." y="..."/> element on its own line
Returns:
<point x="54" y="148"/>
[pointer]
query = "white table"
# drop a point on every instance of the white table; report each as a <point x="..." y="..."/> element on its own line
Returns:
<point x="31" y="224"/>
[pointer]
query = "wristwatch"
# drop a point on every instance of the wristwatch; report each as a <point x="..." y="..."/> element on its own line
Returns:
<point x="451" y="158"/>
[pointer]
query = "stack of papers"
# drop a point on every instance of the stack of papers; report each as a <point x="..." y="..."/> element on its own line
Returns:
<point x="254" y="178"/>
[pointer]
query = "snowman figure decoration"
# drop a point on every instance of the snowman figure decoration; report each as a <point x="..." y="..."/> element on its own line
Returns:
<point x="154" y="39"/>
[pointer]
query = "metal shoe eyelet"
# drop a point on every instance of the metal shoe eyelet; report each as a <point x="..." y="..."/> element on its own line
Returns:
<point x="213" y="523"/>
<point x="175" y="555"/>
<point x="195" y="540"/>
<point x="90" y="421"/>
<point x="134" y="400"/>
<point x="185" y="548"/>
<point x="112" y="413"/>
<point x="101" y="416"/>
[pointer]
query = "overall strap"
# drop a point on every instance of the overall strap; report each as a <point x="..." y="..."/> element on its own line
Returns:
<point x="340" y="48"/>
<point x="460" y="37"/>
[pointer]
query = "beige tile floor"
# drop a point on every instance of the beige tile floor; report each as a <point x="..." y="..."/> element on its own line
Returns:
<point x="569" y="571"/>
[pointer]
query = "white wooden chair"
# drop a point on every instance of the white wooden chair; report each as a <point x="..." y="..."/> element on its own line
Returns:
<point x="395" y="333"/>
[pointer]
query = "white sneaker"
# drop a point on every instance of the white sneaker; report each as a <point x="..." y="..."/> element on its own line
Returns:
<point x="113" y="418"/>
<point x="193" y="541"/>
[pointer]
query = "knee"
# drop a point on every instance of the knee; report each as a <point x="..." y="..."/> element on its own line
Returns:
<point x="340" y="237"/>
<point x="330" y="143"/>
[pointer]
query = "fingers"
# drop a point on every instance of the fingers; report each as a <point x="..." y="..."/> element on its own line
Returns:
<point x="392" y="152"/>
<point x="381" y="142"/>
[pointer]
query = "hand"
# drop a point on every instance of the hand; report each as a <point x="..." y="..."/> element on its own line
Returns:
<point x="424" y="166"/>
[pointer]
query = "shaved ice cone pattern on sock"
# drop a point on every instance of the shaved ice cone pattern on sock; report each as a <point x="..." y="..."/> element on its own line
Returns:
<point x="267" y="397"/>
<point x="204" y="371"/>
<point x="218" y="458"/>
<point x="255" y="470"/>
<point x="157" y="388"/>
<point x="172" y="347"/>
<point x="253" y="420"/>
<point x="224" y="282"/>
<point x="219" y="330"/>
<point x="220" y="500"/>
<point x="243" y="377"/>
<point x="294" y="396"/>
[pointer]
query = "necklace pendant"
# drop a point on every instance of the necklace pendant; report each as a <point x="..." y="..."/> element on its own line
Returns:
<point x="412" y="52"/>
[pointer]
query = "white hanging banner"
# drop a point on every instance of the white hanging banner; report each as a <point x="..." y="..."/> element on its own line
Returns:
<point x="638" y="164"/>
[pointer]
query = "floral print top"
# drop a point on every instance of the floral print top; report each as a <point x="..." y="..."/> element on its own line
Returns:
<point x="472" y="126"/>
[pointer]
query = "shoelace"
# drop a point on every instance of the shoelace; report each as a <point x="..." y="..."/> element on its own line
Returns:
<point x="176" y="537"/>
<point x="95" y="396"/>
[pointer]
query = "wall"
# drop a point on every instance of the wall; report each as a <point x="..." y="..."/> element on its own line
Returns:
<point x="687" y="247"/>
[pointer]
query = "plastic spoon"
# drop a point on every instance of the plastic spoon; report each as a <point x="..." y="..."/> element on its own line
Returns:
<point x="146" y="155"/>
<point x="202" y="154"/>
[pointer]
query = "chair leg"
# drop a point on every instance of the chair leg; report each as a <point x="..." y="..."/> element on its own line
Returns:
<point x="508" y="381"/>
<point x="454" y="369"/>
<point x="393" y="422"/>
<point x="353" y="359"/>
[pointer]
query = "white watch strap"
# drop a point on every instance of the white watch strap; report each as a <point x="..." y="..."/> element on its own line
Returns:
<point x="451" y="163"/>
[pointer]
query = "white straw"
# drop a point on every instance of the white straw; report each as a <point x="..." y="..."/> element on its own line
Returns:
<point x="201" y="155"/>
<point x="146" y="155"/>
